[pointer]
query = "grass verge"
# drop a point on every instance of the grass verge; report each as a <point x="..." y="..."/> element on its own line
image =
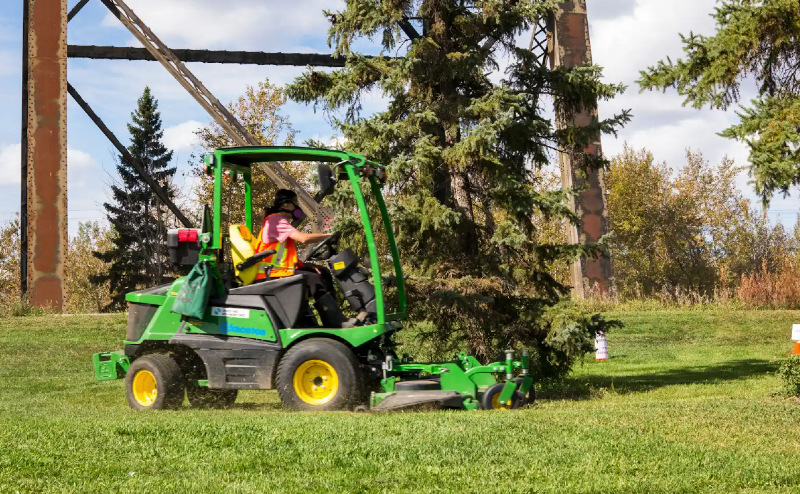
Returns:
<point x="686" y="404"/>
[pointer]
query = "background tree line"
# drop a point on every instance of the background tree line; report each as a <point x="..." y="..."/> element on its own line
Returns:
<point x="688" y="233"/>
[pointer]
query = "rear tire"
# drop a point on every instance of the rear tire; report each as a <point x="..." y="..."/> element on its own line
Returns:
<point x="202" y="397"/>
<point x="319" y="374"/>
<point x="154" y="382"/>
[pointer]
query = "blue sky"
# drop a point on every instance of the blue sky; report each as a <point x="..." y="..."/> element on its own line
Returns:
<point x="627" y="35"/>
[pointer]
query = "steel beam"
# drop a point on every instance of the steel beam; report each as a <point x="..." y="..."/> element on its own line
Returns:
<point x="77" y="8"/>
<point x="319" y="214"/>
<point x="46" y="151"/>
<point x="572" y="48"/>
<point x="408" y="28"/>
<point x="207" y="56"/>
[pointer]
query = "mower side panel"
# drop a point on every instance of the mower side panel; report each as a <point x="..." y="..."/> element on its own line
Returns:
<point x="248" y="318"/>
<point x="233" y="362"/>
<point x="247" y="322"/>
<point x="164" y="323"/>
<point x="354" y="336"/>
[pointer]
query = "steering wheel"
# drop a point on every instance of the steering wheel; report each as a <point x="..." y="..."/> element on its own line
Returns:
<point x="325" y="249"/>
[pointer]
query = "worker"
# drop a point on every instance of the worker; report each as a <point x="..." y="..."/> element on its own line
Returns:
<point x="278" y="233"/>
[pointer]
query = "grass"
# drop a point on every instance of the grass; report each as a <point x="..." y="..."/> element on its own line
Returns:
<point x="686" y="404"/>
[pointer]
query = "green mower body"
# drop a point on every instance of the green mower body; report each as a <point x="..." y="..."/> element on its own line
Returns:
<point x="265" y="336"/>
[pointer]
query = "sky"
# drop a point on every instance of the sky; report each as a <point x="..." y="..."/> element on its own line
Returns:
<point x="627" y="36"/>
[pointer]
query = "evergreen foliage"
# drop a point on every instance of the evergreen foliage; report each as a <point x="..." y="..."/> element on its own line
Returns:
<point x="139" y="255"/>
<point x="757" y="39"/>
<point x="463" y="152"/>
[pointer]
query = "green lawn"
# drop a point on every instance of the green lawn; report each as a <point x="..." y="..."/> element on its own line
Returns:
<point x="686" y="404"/>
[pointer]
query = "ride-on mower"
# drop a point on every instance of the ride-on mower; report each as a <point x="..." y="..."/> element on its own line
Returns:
<point x="264" y="334"/>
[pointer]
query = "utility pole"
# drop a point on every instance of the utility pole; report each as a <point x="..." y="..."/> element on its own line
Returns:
<point x="572" y="48"/>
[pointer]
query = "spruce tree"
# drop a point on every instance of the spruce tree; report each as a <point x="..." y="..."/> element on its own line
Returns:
<point x="758" y="40"/>
<point x="139" y="255"/>
<point x="463" y="152"/>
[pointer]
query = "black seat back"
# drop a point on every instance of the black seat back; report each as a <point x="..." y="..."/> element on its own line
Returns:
<point x="285" y="298"/>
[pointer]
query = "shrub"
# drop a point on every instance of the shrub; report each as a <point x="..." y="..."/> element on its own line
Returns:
<point x="789" y="372"/>
<point x="483" y="318"/>
<point x="773" y="290"/>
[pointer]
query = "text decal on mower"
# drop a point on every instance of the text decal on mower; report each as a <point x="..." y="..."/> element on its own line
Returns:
<point x="227" y="328"/>
<point x="227" y="312"/>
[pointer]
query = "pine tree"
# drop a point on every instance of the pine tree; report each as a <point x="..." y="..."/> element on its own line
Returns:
<point x="463" y="153"/>
<point x="754" y="39"/>
<point x="139" y="255"/>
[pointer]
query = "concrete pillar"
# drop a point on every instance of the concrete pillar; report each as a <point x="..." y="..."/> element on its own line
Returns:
<point x="572" y="48"/>
<point x="44" y="166"/>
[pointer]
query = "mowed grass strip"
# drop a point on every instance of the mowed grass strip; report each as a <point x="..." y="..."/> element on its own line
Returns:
<point x="686" y="404"/>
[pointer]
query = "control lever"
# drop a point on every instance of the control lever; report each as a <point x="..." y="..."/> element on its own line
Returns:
<point x="253" y="260"/>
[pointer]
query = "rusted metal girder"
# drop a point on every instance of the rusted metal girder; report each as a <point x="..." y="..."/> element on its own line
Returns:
<point x="44" y="170"/>
<point x="572" y="48"/>
<point x="208" y="56"/>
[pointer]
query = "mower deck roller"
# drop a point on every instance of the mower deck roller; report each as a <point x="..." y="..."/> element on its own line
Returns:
<point x="244" y="334"/>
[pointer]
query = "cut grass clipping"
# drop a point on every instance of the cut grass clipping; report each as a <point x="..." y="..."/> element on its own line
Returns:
<point x="687" y="403"/>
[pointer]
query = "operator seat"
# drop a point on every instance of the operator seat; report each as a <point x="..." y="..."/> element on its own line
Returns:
<point x="286" y="297"/>
<point x="243" y="246"/>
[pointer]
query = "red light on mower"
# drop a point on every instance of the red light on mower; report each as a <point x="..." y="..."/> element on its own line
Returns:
<point x="187" y="235"/>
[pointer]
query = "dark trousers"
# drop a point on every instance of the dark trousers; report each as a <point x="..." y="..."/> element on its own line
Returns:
<point x="318" y="284"/>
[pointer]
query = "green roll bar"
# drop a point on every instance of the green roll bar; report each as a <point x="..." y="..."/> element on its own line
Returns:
<point x="241" y="159"/>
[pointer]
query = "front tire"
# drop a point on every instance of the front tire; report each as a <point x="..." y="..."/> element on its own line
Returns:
<point x="319" y="374"/>
<point x="490" y="399"/>
<point x="154" y="382"/>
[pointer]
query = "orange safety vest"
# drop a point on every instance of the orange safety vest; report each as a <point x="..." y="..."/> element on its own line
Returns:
<point x="278" y="265"/>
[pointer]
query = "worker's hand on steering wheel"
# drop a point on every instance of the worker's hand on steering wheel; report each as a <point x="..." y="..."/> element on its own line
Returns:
<point x="325" y="249"/>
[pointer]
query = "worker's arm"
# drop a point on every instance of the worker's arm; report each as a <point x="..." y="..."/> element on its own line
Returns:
<point x="308" y="238"/>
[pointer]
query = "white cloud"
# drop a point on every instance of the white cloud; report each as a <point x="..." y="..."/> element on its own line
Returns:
<point x="335" y="141"/>
<point x="78" y="162"/>
<point x="181" y="137"/>
<point x="627" y="39"/>
<point x="625" y="45"/>
<point x="242" y="25"/>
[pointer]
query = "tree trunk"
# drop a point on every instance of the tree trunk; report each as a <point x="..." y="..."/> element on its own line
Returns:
<point x="462" y="198"/>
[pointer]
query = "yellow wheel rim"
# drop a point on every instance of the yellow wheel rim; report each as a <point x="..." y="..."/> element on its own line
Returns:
<point x="497" y="405"/>
<point x="316" y="382"/>
<point x="145" y="389"/>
